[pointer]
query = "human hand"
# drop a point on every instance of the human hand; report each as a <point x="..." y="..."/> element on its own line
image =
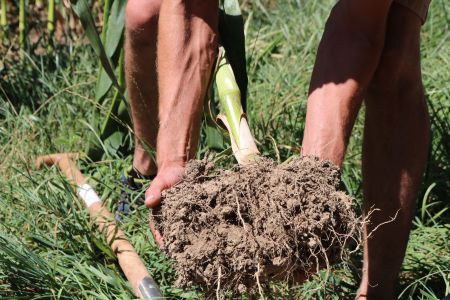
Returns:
<point x="166" y="178"/>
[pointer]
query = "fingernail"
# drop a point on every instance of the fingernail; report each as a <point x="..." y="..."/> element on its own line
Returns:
<point x="149" y="198"/>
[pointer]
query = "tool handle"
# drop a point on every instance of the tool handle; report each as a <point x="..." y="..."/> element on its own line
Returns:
<point x="131" y="264"/>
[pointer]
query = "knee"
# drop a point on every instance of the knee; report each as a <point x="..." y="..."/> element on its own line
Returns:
<point x="398" y="71"/>
<point x="361" y="21"/>
<point x="398" y="74"/>
<point x="141" y="20"/>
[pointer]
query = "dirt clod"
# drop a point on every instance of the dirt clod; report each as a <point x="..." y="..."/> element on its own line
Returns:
<point x="238" y="228"/>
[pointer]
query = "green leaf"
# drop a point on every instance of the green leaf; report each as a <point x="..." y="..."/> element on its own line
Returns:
<point x="104" y="83"/>
<point x="103" y="247"/>
<point x="114" y="34"/>
<point x="118" y="117"/>
<point x="100" y="275"/>
<point x="114" y="141"/>
<point x="116" y="26"/>
<point x="214" y="138"/>
<point x="83" y="11"/>
<point x="232" y="38"/>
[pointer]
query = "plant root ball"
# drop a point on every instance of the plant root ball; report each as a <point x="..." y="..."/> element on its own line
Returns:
<point x="239" y="228"/>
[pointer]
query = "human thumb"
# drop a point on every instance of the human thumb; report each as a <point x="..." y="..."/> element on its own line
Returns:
<point x="153" y="194"/>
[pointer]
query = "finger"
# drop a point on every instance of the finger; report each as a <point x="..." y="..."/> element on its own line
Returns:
<point x="156" y="234"/>
<point x="153" y="193"/>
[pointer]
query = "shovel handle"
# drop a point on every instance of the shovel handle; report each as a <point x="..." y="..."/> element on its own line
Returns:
<point x="131" y="264"/>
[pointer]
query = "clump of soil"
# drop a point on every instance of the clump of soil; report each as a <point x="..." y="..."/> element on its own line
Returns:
<point x="239" y="228"/>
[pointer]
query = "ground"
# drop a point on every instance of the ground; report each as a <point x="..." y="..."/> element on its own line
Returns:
<point x="48" y="248"/>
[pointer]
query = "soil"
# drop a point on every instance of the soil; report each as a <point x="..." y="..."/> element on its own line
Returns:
<point x="239" y="228"/>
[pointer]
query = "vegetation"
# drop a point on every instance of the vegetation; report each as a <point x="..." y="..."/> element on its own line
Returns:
<point x="49" y="102"/>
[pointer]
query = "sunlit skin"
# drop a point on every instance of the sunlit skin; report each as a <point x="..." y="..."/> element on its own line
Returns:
<point x="187" y="48"/>
<point x="361" y="58"/>
<point x="170" y="49"/>
<point x="141" y="79"/>
<point x="369" y="50"/>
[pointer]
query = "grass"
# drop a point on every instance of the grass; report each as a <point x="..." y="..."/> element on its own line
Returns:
<point x="48" y="248"/>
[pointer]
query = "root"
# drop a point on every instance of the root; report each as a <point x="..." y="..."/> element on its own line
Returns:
<point x="232" y="231"/>
<point x="219" y="273"/>
<point x="259" y="284"/>
<point x="381" y="224"/>
<point x="239" y="211"/>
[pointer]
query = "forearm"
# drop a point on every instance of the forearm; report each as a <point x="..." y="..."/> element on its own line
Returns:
<point x="346" y="61"/>
<point x="187" y="43"/>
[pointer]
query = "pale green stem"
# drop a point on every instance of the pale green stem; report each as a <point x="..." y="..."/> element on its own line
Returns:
<point x="243" y="144"/>
<point x="51" y="24"/>
<point x="3" y="21"/>
<point x="229" y="96"/>
<point x="22" y="24"/>
<point x="51" y="18"/>
<point x="4" y="8"/>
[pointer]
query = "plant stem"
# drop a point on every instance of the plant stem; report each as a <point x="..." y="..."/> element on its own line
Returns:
<point x="51" y="17"/>
<point x="243" y="144"/>
<point x="3" y="21"/>
<point x="51" y="23"/>
<point x="22" y="24"/>
<point x="229" y="95"/>
<point x="4" y="8"/>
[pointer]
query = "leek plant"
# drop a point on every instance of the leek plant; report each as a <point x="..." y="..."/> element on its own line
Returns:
<point x="233" y="117"/>
<point x="22" y="24"/>
<point x="3" y="21"/>
<point x="113" y="132"/>
<point x="51" y="24"/>
<point x="51" y="17"/>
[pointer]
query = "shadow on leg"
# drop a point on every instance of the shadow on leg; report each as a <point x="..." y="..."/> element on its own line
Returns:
<point x="395" y="147"/>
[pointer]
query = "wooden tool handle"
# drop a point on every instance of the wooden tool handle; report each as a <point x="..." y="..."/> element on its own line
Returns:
<point x="65" y="162"/>
<point x="129" y="261"/>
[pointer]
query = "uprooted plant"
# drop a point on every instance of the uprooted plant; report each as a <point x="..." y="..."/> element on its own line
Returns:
<point x="237" y="229"/>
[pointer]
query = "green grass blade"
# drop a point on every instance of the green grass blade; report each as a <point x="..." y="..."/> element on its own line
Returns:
<point x="424" y="201"/>
<point x="83" y="12"/>
<point x="104" y="83"/>
<point x="113" y="35"/>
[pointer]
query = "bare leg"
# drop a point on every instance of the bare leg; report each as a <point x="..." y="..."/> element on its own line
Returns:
<point x="187" y="46"/>
<point x="346" y="61"/>
<point x="141" y="78"/>
<point x="395" y="149"/>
